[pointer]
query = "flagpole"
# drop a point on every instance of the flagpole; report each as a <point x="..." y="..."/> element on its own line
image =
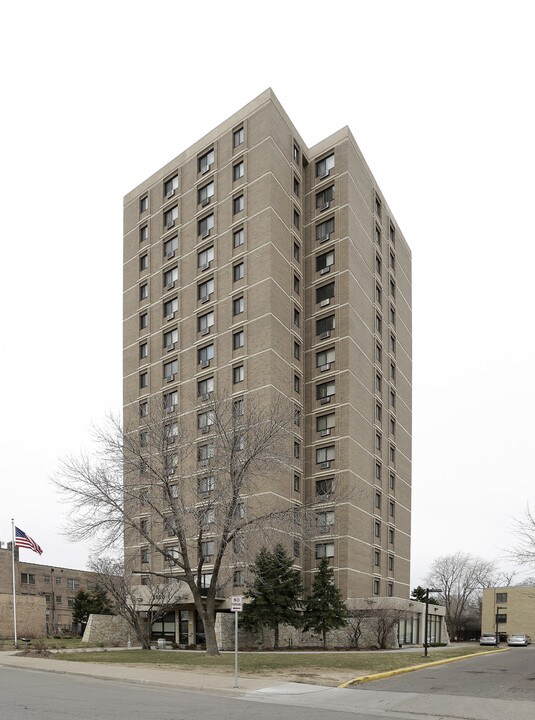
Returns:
<point x="14" y="593"/>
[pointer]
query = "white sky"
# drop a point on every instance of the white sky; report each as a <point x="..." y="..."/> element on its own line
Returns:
<point x="439" y="95"/>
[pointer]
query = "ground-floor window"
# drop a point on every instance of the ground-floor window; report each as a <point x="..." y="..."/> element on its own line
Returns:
<point x="409" y="631"/>
<point x="164" y="627"/>
<point x="183" y="627"/>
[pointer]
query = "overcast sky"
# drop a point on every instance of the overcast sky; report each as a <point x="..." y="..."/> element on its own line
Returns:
<point x="439" y="96"/>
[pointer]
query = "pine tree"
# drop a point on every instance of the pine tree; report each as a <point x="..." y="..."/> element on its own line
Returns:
<point x="99" y="602"/>
<point x="81" y="608"/>
<point x="274" y="592"/>
<point x="324" y="610"/>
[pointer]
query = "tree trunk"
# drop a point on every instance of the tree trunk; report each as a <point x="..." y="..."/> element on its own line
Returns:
<point x="210" y="636"/>
<point x="276" y="642"/>
<point x="324" y="633"/>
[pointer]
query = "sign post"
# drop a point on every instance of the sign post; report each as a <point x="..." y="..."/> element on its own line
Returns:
<point x="236" y="605"/>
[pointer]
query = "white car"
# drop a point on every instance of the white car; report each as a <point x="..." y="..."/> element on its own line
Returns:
<point x="519" y="640"/>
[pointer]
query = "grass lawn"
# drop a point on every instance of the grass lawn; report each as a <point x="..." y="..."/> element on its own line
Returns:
<point x="338" y="667"/>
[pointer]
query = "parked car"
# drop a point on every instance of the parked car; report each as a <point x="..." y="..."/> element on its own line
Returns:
<point x="522" y="640"/>
<point x="488" y="639"/>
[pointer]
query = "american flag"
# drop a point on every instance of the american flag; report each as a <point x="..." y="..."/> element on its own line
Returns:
<point x="23" y="540"/>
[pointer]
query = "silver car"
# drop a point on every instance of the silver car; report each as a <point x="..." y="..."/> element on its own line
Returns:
<point x="519" y="640"/>
<point x="488" y="639"/>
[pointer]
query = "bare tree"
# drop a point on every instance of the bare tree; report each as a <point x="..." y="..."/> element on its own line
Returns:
<point x="185" y="491"/>
<point x="461" y="577"/>
<point x="377" y="623"/>
<point x="140" y="605"/>
<point x="523" y="552"/>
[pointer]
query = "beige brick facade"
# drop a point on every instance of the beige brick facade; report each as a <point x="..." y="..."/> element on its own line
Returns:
<point x="513" y="607"/>
<point x="304" y="239"/>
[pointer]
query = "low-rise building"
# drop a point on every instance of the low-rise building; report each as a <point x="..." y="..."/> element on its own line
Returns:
<point x="508" y="611"/>
<point x="58" y="587"/>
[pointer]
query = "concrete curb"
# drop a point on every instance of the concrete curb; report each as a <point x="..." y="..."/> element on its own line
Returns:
<point x="413" y="668"/>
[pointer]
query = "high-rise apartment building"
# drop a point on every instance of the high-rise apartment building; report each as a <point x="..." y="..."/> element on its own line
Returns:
<point x="255" y="263"/>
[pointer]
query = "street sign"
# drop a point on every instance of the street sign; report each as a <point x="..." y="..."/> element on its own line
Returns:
<point x="236" y="603"/>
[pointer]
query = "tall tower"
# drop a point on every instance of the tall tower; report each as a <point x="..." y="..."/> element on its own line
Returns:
<point x="256" y="266"/>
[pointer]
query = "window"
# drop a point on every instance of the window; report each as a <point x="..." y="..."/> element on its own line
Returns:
<point x="205" y="420"/>
<point x="325" y="293"/>
<point x="238" y="339"/>
<point x="238" y="170"/>
<point x="297" y="548"/>
<point x="324" y="230"/>
<point x="238" y="305"/>
<point x="378" y="412"/>
<point x="297" y="187"/>
<point x="392" y="344"/>
<point x="238" y="204"/>
<point x="392" y="287"/>
<point x="48" y="597"/>
<point x="205" y="224"/>
<point x="324" y="262"/>
<point x="392" y="316"/>
<point x="378" y="499"/>
<point x="144" y="204"/>
<point x="378" y="206"/>
<point x="238" y="136"/>
<point x="324" y="550"/>
<point x="378" y="352"/>
<point x="297" y="219"/>
<point x="324" y="488"/>
<point x="207" y="550"/>
<point x="378" y="382"/>
<point x="392" y="234"/>
<point x="143" y="379"/>
<point x="205" y="290"/>
<point x="205" y="354"/>
<point x="170" y="247"/>
<point x="377" y="234"/>
<point x="378" y="293"/>
<point x="296" y="154"/>
<point x="325" y="391"/>
<point x="325" y="454"/>
<point x="143" y="529"/>
<point x="205" y="322"/>
<point x="206" y="160"/>
<point x="501" y="618"/>
<point x="392" y="454"/>
<point x="376" y="586"/>
<point x="378" y="471"/>
<point x="143" y="291"/>
<point x="205" y="387"/>
<point x="206" y="485"/>
<point x="296" y="284"/>
<point x="143" y="350"/>
<point x="297" y="450"/>
<point x="170" y="277"/>
<point x="324" y="198"/>
<point x="392" y="260"/>
<point x="170" y="369"/>
<point x="501" y="597"/>
<point x="297" y="351"/>
<point x="378" y="441"/>
<point x="204" y="193"/>
<point x="325" y="423"/>
<point x="238" y="374"/>
<point x="392" y="425"/>
<point x="325" y="521"/>
<point x="238" y="237"/>
<point x="46" y="578"/>
<point x="297" y="383"/>
<point x="392" y="371"/>
<point x="27" y="578"/>
<point x="143" y="262"/>
<point x="325" y="358"/>
<point x="170" y="186"/>
<point x="297" y="252"/>
<point x="377" y="558"/>
<point x="58" y="581"/>
<point x="237" y="578"/>
<point x="143" y="233"/>
<point x="297" y="317"/>
<point x="205" y="452"/>
<point x="59" y="599"/>
<point x="170" y="217"/>
<point x="324" y="167"/>
<point x="144" y="554"/>
<point x="297" y="483"/>
<point x="170" y="307"/>
<point x="171" y="433"/>
<point x="170" y="339"/>
<point x="378" y="264"/>
<point x="325" y="325"/>
<point x="377" y="529"/>
<point x="390" y="563"/>
<point x="170" y="401"/>
<point x="238" y="408"/>
<point x="391" y="508"/>
<point x="378" y="323"/>
<point x="238" y="271"/>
